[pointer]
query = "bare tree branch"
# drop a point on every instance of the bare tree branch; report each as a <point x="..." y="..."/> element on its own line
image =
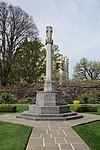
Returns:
<point x="15" y="26"/>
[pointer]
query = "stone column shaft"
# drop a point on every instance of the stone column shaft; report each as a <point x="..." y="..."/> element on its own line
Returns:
<point x="49" y="43"/>
<point x="49" y="63"/>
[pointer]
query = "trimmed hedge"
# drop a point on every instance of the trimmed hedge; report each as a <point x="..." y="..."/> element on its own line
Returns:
<point x="85" y="108"/>
<point x="8" y="108"/>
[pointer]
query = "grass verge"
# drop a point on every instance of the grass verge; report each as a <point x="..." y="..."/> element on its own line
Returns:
<point x="22" y="108"/>
<point x="90" y="133"/>
<point x="13" y="136"/>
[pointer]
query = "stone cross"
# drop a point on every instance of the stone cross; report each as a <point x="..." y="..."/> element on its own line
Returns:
<point x="49" y="43"/>
<point x="49" y="104"/>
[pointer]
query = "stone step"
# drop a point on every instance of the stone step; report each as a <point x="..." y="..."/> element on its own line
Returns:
<point x="50" y="118"/>
<point x="78" y="116"/>
<point x="41" y="118"/>
<point x="59" y="118"/>
<point x="49" y="115"/>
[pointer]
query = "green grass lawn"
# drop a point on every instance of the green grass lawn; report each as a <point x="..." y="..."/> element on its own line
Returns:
<point x="13" y="136"/>
<point x="22" y="108"/>
<point x="90" y="133"/>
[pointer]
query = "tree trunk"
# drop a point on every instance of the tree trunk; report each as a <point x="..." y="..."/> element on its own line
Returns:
<point x="3" y="82"/>
<point x="4" y="79"/>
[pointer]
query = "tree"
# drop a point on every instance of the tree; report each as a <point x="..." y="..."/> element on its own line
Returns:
<point x="29" y="63"/>
<point x="87" y="70"/>
<point x="15" y="26"/>
<point x="55" y="61"/>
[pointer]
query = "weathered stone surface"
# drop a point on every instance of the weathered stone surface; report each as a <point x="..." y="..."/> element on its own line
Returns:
<point x="37" y="110"/>
<point x="49" y="117"/>
<point x="79" y="146"/>
<point x="48" y="98"/>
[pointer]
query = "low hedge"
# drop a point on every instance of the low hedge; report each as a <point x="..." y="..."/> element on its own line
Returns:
<point x="8" y="108"/>
<point x="85" y="108"/>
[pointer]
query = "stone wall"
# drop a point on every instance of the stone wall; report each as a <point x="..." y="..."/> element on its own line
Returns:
<point x="75" y="91"/>
<point x="69" y="90"/>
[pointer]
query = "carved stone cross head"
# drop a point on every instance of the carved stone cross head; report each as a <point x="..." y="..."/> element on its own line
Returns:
<point x="49" y="31"/>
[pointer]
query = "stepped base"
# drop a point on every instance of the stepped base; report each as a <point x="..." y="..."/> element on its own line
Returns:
<point x="49" y="113"/>
<point x="49" y="107"/>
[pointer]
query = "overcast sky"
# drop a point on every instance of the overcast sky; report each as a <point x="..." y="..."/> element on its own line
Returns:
<point x="76" y="25"/>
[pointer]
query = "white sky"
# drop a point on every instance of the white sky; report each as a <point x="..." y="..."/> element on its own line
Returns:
<point x="76" y="25"/>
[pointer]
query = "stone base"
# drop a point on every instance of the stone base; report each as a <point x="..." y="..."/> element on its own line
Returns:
<point x="37" y="110"/>
<point x="49" y="107"/>
<point x="52" y="113"/>
<point x="48" y="98"/>
<point x="49" y="117"/>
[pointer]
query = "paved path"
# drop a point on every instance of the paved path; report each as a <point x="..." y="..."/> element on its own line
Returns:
<point x="53" y="135"/>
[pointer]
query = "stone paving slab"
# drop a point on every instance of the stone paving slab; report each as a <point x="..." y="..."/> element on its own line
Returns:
<point x="53" y="135"/>
<point x="78" y="146"/>
<point x="87" y="118"/>
<point x="12" y="118"/>
<point x="66" y="146"/>
<point x="35" y="141"/>
<point x="58" y="138"/>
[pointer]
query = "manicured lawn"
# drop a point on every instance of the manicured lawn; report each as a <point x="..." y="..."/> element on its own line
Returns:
<point x="90" y="133"/>
<point x="22" y="108"/>
<point x="13" y="136"/>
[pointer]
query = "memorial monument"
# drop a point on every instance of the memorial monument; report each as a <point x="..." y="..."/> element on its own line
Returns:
<point x="49" y="102"/>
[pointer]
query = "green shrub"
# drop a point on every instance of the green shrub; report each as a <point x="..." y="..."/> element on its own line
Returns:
<point x="85" y="108"/>
<point x="97" y="96"/>
<point x="29" y="100"/>
<point x="7" y="108"/>
<point x="92" y="101"/>
<point x="6" y="97"/>
<point x="92" y="109"/>
<point x="67" y="101"/>
<point x="84" y="98"/>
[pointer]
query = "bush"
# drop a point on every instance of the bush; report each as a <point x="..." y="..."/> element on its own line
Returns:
<point x="6" y="97"/>
<point x="97" y="96"/>
<point x="8" y="108"/>
<point x="85" y="108"/>
<point x="84" y="98"/>
<point x="67" y="101"/>
<point x="29" y="100"/>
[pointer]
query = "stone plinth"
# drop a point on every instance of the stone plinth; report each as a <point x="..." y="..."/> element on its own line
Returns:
<point x="48" y="102"/>
<point x="39" y="110"/>
<point x="49" y="107"/>
<point x="48" y="98"/>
